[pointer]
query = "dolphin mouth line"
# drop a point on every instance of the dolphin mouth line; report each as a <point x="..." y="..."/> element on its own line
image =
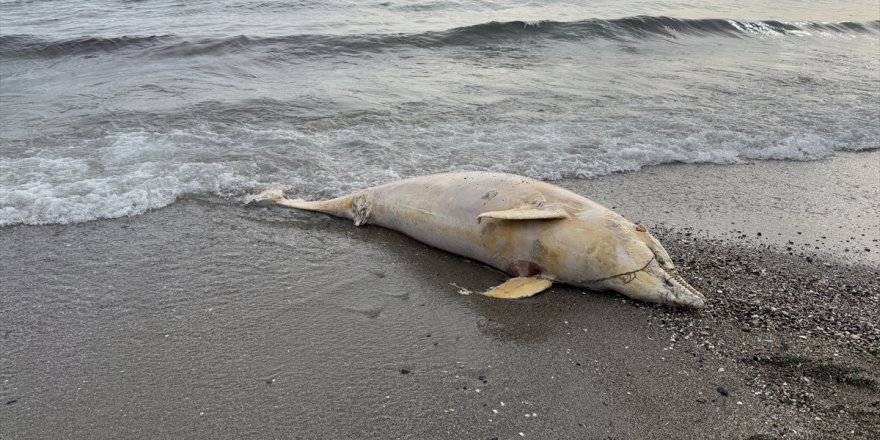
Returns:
<point x="626" y="276"/>
<point x="673" y="273"/>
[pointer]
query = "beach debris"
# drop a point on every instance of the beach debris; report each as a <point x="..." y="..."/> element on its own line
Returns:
<point x="461" y="290"/>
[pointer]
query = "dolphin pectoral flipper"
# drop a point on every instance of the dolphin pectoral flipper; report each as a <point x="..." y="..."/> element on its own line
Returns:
<point x="519" y="287"/>
<point x="527" y="213"/>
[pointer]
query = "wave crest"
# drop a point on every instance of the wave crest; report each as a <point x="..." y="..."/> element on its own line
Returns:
<point x="510" y="32"/>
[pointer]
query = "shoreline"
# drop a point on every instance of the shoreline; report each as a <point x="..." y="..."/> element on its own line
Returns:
<point x="829" y="204"/>
<point x="208" y="318"/>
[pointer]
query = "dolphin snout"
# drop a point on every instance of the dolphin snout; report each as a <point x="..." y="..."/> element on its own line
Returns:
<point x="681" y="293"/>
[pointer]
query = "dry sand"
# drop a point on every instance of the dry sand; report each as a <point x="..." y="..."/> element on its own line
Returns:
<point x="209" y="319"/>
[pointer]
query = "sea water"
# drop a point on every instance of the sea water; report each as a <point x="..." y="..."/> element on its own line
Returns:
<point x="112" y="108"/>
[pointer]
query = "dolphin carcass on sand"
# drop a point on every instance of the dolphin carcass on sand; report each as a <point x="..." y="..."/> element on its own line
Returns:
<point x="536" y="232"/>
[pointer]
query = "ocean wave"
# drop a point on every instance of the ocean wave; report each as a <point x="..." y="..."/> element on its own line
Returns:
<point x="33" y="45"/>
<point x="133" y="172"/>
<point x="126" y="177"/>
<point x="511" y="32"/>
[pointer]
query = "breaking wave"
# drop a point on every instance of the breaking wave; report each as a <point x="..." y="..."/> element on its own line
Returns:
<point x="510" y="32"/>
<point x="131" y="173"/>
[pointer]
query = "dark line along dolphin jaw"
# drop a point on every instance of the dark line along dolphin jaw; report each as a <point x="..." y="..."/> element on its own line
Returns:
<point x="621" y="275"/>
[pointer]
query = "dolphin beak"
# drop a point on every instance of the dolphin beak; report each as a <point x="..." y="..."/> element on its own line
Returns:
<point x="681" y="292"/>
<point x="657" y="284"/>
<point x="676" y="291"/>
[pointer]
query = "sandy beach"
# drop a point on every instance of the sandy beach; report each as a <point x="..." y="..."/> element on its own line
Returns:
<point x="212" y="319"/>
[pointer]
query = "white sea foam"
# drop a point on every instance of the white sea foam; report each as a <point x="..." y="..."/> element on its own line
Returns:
<point x="131" y="173"/>
<point x="127" y="178"/>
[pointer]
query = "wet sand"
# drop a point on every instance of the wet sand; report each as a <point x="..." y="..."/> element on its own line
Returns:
<point x="209" y="319"/>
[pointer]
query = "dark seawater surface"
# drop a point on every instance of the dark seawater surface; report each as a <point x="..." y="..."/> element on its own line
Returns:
<point x="111" y="108"/>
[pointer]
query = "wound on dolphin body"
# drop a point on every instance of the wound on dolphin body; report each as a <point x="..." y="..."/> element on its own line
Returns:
<point x="524" y="268"/>
<point x="360" y="209"/>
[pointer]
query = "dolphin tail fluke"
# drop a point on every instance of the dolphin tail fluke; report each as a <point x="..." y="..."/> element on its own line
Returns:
<point x="267" y="197"/>
<point x="350" y="207"/>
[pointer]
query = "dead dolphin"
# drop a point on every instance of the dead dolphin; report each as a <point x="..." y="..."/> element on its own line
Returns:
<point x="537" y="232"/>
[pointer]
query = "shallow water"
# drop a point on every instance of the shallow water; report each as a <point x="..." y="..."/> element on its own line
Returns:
<point x="113" y="108"/>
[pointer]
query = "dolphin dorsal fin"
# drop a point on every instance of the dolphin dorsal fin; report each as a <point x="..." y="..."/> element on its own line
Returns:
<point x="527" y="213"/>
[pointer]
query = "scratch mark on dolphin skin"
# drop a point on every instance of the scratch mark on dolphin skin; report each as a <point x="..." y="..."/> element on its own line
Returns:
<point x="490" y="195"/>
